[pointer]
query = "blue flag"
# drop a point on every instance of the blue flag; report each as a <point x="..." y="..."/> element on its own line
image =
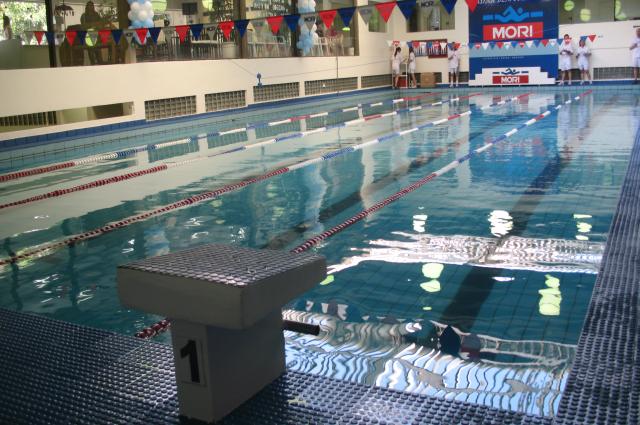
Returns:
<point x="81" y="36"/>
<point x="154" y="33"/>
<point x="196" y="30"/>
<point x="514" y="44"/>
<point x="292" y="22"/>
<point x="346" y="14"/>
<point x="51" y="37"/>
<point x="407" y="7"/>
<point x="241" y="26"/>
<point x="448" y="5"/>
<point x="117" y="35"/>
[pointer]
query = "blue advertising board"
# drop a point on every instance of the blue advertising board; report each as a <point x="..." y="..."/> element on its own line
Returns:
<point x="508" y="42"/>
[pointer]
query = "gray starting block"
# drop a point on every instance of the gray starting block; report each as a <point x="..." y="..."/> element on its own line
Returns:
<point x="225" y="305"/>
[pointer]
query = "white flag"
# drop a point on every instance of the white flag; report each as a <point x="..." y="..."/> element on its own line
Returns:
<point x="366" y="13"/>
<point x="529" y="43"/>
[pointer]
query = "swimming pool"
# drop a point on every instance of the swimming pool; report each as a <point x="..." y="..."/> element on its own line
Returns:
<point x="473" y="286"/>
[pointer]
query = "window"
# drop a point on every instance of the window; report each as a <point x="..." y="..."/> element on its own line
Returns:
<point x="338" y="40"/>
<point x="261" y="42"/>
<point x="625" y="10"/>
<point x="584" y="11"/>
<point x="376" y="23"/>
<point x="430" y="15"/>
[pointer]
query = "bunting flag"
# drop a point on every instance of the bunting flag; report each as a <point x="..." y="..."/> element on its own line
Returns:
<point x="38" y="35"/>
<point x="514" y="44"/>
<point x="544" y="42"/>
<point x="241" y="26"/>
<point x="71" y="36"/>
<point x="274" y="23"/>
<point x="154" y="33"/>
<point x="309" y="21"/>
<point x="196" y="30"/>
<point x="416" y="44"/>
<point x="93" y="37"/>
<point x="142" y="35"/>
<point x="485" y="46"/>
<point x="59" y="38"/>
<point x="457" y="45"/>
<point x="210" y="30"/>
<point x="327" y="17"/>
<point x="81" y="37"/>
<point x="28" y="35"/>
<point x="583" y="38"/>
<point x="448" y="5"/>
<point x="259" y="25"/>
<point x="499" y="44"/>
<point x="407" y="7"/>
<point x="536" y="43"/>
<point x="104" y="36"/>
<point x="529" y="43"/>
<point x="117" y="35"/>
<point x="477" y="46"/>
<point x="226" y="28"/>
<point x="292" y="22"/>
<point x="592" y="37"/>
<point x="552" y="41"/>
<point x="366" y="13"/>
<point x="182" y="31"/>
<point x="472" y="5"/>
<point x="128" y="35"/>
<point x="385" y="9"/>
<point x="346" y="14"/>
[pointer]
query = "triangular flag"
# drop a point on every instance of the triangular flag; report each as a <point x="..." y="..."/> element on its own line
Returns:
<point x="39" y="35"/>
<point x="514" y="44"/>
<point x="389" y="43"/>
<point x="346" y="14"/>
<point x="536" y="43"/>
<point x="429" y="44"/>
<point x="59" y="38"/>
<point x="385" y="9"/>
<point x="129" y="34"/>
<point x="477" y="46"/>
<point x="448" y="5"/>
<point x="365" y="13"/>
<point x="485" y="46"/>
<point x="274" y="23"/>
<point x="529" y="43"/>
<point x="544" y="42"/>
<point x="443" y="45"/>
<point x="592" y="37"/>
<point x="210" y="30"/>
<point x="507" y="45"/>
<point x="583" y="38"/>
<point x="241" y="26"/>
<point x="499" y="44"/>
<point x="71" y="36"/>
<point x="226" y="28"/>
<point x="409" y="44"/>
<point x="552" y="41"/>
<point x="521" y="44"/>
<point x="142" y="35"/>
<point x="457" y="45"/>
<point x="28" y="35"/>
<point x="472" y="5"/>
<point x="104" y="36"/>
<point x="560" y="40"/>
<point x="327" y="17"/>
<point x="93" y="37"/>
<point x="196" y="30"/>
<point x="292" y="22"/>
<point x="407" y="7"/>
<point x="117" y="35"/>
<point x="182" y="31"/>
<point x="81" y="37"/>
<point x="415" y="44"/>
<point x="309" y="21"/>
<point x="154" y="32"/>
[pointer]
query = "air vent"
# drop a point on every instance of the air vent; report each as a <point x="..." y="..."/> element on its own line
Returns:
<point x="275" y="92"/>
<point x="271" y="131"/>
<point x="330" y="86"/>
<point x="39" y="119"/>
<point x="227" y="139"/>
<point x="167" y="108"/>
<point x="226" y="100"/>
<point x="612" y="73"/>
<point x="375" y="80"/>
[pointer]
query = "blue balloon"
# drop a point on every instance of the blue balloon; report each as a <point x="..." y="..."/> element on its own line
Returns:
<point x="148" y="23"/>
<point x="136" y="24"/>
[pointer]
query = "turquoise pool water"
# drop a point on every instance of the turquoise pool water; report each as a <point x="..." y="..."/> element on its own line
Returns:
<point x="502" y="251"/>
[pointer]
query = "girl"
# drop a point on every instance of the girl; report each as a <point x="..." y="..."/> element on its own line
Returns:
<point x="566" y="51"/>
<point x="454" y="63"/>
<point x="396" y="59"/>
<point x="6" y="28"/>
<point x="583" y="54"/>
<point x="412" y="67"/>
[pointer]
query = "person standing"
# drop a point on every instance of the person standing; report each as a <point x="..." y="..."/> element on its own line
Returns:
<point x="454" y="65"/>
<point x="635" y="55"/>
<point x="412" y="67"/>
<point x="90" y="20"/>
<point x="583" y="53"/>
<point x="566" y="52"/>
<point x="396" y="60"/>
<point x="7" y="33"/>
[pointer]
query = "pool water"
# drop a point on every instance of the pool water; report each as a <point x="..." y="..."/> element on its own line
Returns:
<point x="473" y="287"/>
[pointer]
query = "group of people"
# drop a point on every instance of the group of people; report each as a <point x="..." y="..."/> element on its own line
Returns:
<point x="582" y="53"/>
<point x="397" y="60"/>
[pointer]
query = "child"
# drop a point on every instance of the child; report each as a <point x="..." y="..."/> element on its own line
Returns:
<point x="566" y="51"/>
<point x="396" y="59"/>
<point x="412" y="67"/>
<point x="454" y="63"/>
<point x="583" y="54"/>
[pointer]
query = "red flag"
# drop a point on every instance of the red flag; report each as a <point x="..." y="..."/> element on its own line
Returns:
<point x="182" y="31"/>
<point x="327" y="17"/>
<point x="226" y="28"/>
<point x="142" y="34"/>
<point x="39" y="35"/>
<point x="472" y="4"/>
<point x="71" y="36"/>
<point x="416" y="44"/>
<point x="544" y="42"/>
<point x="385" y="9"/>
<point x="592" y="37"/>
<point x="499" y="44"/>
<point x="456" y="45"/>
<point x="477" y="45"/>
<point x="521" y="44"/>
<point x="104" y="36"/>
<point x="274" y="23"/>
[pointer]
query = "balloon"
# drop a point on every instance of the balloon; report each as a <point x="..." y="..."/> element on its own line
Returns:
<point x="135" y="6"/>
<point x="130" y="15"/>
<point x="142" y="15"/>
<point x="136" y="24"/>
<point x="148" y="23"/>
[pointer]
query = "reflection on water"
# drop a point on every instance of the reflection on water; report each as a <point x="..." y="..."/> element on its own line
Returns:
<point x="526" y="376"/>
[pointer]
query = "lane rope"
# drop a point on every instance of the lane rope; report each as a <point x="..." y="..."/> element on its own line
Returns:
<point x="168" y="165"/>
<point x="48" y="248"/>
<point x="127" y="153"/>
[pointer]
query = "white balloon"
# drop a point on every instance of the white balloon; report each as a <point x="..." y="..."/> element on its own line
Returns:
<point x="142" y="15"/>
<point x="130" y="15"/>
<point x="135" y="6"/>
<point x="148" y="5"/>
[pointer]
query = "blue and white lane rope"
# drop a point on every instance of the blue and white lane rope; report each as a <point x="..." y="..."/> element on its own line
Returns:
<point x="168" y="165"/>
<point x="127" y="153"/>
<point x="408" y="189"/>
<point x="164" y="324"/>
<point x="48" y="248"/>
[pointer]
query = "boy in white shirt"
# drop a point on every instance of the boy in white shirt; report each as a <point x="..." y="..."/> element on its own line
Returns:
<point x="566" y="51"/>
<point x="454" y="64"/>
<point x="635" y="52"/>
<point x="583" y="53"/>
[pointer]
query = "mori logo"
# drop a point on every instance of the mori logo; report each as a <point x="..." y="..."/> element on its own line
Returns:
<point x="513" y="31"/>
<point x="510" y="79"/>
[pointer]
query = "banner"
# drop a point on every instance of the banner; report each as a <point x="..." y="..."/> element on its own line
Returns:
<point x="500" y="23"/>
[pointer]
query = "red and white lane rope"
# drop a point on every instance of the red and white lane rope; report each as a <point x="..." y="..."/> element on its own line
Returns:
<point x="168" y="165"/>
<point x="48" y="248"/>
<point x="126" y="153"/>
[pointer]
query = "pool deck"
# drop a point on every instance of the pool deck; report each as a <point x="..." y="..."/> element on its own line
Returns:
<point x="55" y="372"/>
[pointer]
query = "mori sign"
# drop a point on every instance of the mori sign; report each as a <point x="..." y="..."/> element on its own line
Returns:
<point x="513" y="32"/>
<point x="510" y="79"/>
